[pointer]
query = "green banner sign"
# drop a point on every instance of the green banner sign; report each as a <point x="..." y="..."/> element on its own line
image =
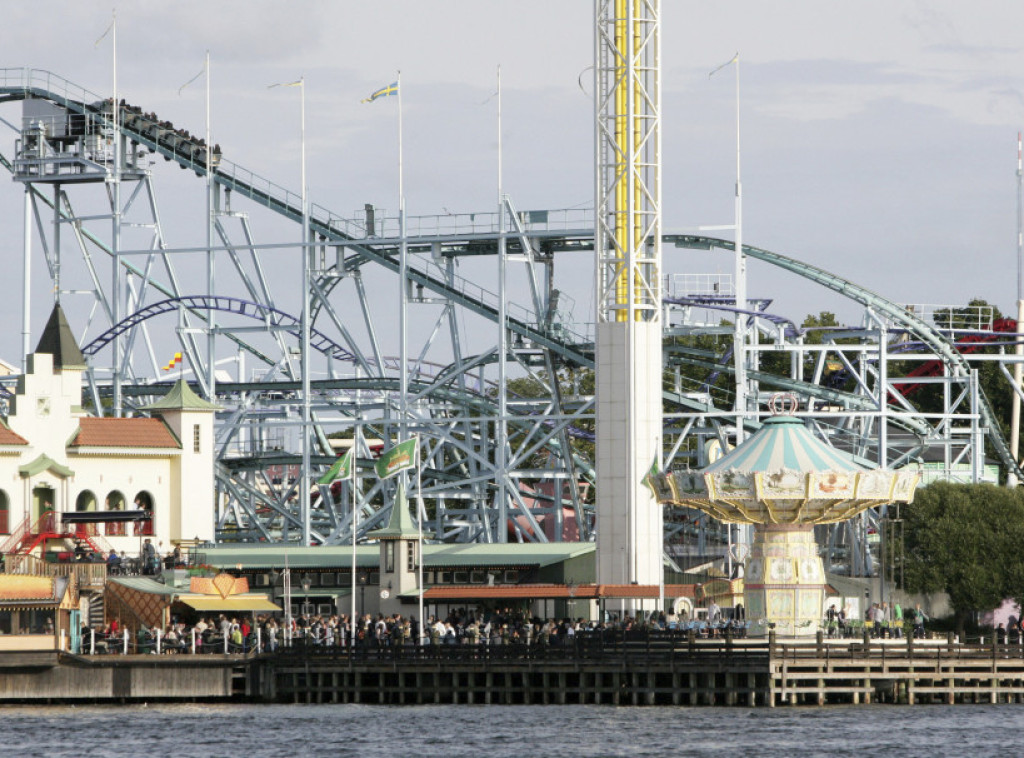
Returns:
<point x="341" y="469"/>
<point x="399" y="458"/>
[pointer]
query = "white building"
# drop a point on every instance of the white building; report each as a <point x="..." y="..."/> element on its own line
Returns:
<point x="57" y="459"/>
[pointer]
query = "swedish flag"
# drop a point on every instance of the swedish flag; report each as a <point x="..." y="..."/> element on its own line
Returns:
<point x="388" y="91"/>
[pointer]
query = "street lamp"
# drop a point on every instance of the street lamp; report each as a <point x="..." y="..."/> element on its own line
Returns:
<point x="363" y="579"/>
<point x="307" y="582"/>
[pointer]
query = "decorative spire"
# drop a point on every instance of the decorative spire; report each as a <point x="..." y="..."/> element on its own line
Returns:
<point x="58" y="341"/>
<point x="400" y="525"/>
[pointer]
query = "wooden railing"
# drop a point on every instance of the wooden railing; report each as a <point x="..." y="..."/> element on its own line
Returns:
<point x="24" y="564"/>
<point x="88" y="574"/>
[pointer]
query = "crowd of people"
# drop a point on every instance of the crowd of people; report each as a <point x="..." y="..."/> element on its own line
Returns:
<point x="148" y="563"/>
<point x="266" y="633"/>
<point x="207" y="634"/>
<point x="881" y="620"/>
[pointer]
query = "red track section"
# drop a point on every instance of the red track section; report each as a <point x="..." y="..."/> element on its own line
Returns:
<point x="966" y="345"/>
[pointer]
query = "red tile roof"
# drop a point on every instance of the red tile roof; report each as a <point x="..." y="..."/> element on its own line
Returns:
<point x="9" y="437"/>
<point x="124" y="432"/>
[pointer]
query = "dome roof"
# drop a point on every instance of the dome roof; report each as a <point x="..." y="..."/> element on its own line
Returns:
<point x="783" y="442"/>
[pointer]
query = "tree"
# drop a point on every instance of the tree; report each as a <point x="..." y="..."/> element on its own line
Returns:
<point x="928" y="398"/>
<point x="815" y="328"/>
<point x="964" y="539"/>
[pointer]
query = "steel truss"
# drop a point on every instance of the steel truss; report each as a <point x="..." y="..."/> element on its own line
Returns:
<point x="546" y="471"/>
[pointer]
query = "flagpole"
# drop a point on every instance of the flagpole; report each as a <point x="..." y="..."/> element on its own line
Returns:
<point x="306" y="312"/>
<point x="403" y="358"/>
<point x="304" y="489"/>
<point x="355" y="524"/>
<point x="740" y="293"/>
<point x="403" y="272"/>
<point x="741" y="281"/>
<point x="421" y="513"/>
<point x="210" y="283"/>
<point x="118" y="344"/>
<point x="502" y="435"/>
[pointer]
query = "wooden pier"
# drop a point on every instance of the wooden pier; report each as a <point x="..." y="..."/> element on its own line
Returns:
<point x="52" y="677"/>
<point x="652" y="672"/>
<point x="609" y="669"/>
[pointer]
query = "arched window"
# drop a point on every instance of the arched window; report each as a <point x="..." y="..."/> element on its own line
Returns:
<point x="5" y="513"/>
<point x="144" y="502"/>
<point x="115" y="502"/>
<point x="86" y="502"/>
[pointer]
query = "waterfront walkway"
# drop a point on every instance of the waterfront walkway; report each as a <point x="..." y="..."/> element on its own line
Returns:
<point x="614" y="667"/>
<point x="656" y="668"/>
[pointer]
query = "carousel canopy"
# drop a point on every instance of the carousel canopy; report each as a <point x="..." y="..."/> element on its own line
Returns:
<point x="784" y="474"/>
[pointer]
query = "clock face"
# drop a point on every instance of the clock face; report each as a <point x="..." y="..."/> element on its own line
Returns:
<point x="384" y="594"/>
<point x="42" y="407"/>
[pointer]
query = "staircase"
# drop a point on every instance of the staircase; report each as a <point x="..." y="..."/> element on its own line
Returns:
<point x="28" y="536"/>
<point x="14" y="541"/>
<point x="97" y="610"/>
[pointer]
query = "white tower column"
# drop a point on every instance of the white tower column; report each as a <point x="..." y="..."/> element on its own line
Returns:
<point x="628" y="252"/>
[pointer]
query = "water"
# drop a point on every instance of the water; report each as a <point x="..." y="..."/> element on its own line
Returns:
<point x="252" y="731"/>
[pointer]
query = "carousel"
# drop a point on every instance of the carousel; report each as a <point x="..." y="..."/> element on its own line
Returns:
<point x="784" y="481"/>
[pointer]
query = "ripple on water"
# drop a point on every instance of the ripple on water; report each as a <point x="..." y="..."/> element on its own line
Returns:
<point x="254" y="731"/>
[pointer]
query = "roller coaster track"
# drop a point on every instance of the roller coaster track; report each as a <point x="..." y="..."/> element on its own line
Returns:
<point x="922" y="330"/>
<point x="194" y="303"/>
<point x="361" y="247"/>
<point x="189" y="154"/>
<point x="727" y="305"/>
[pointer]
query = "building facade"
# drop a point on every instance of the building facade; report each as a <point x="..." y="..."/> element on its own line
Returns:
<point x="124" y="479"/>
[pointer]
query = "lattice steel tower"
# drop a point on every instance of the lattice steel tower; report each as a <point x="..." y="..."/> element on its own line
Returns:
<point x="628" y="253"/>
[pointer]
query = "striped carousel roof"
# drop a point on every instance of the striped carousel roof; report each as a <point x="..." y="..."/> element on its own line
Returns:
<point x="784" y="442"/>
<point x="785" y="475"/>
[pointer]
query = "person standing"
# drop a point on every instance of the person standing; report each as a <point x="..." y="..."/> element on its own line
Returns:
<point x="919" y="618"/>
<point x="149" y="557"/>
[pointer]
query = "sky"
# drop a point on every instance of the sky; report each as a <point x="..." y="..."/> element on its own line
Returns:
<point x="879" y="139"/>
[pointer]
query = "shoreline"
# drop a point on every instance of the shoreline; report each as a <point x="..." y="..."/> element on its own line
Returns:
<point x="650" y="670"/>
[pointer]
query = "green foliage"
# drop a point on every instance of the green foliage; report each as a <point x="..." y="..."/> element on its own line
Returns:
<point x="573" y="384"/>
<point x="928" y="398"/>
<point x="965" y="540"/>
<point x="778" y="363"/>
<point x="814" y="324"/>
<point x="710" y="348"/>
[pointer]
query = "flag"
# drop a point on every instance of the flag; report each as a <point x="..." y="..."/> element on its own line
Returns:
<point x="174" y="361"/>
<point x="648" y="480"/>
<point x="203" y="71"/>
<point x="404" y="455"/>
<point x="388" y="91"/>
<point x="112" y="25"/>
<point x="341" y="469"/>
<point x="730" y="61"/>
